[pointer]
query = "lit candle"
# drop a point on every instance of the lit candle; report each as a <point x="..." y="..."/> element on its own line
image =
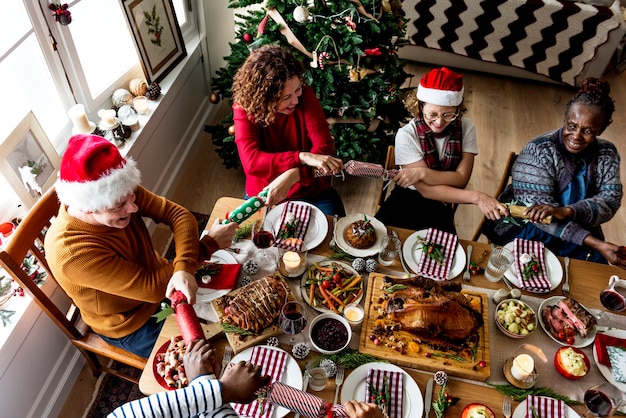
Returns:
<point x="79" y="118"/>
<point x="354" y="313"/>
<point x="523" y="366"/>
<point x="140" y="103"/>
<point x="292" y="262"/>
<point x="107" y="116"/>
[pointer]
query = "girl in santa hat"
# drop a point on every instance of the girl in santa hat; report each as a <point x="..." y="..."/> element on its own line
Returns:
<point x="436" y="153"/>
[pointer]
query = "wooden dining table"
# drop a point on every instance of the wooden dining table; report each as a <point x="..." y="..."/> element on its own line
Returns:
<point x="586" y="280"/>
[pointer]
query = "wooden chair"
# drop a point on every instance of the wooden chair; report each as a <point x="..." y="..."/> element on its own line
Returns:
<point x="504" y="181"/>
<point x="28" y="240"/>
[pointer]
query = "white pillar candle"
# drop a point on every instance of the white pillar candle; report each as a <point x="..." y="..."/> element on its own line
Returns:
<point x="79" y="118"/>
<point x="140" y="103"/>
<point x="522" y="367"/>
<point x="107" y="116"/>
<point x="292" y="262"/>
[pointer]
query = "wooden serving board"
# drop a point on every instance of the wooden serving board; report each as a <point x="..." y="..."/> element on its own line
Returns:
<point x="237" y="341"/>
<point x="416" y="356"/>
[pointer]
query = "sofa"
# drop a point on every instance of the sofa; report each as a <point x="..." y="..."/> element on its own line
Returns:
<point x="557" y="41"/>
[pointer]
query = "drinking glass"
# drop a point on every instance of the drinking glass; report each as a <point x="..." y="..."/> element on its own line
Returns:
<point x="390" y="247"/>
<point x="263" y="238"/>
<point x="602" y="400"/>
<point x="614" y="296"/>
<point x="499" y="262"/>
<point x="292" y="321"/>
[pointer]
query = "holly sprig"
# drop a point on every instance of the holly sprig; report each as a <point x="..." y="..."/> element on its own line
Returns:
<point x="208" y="269"/>
<point x="434" y="251"/>
<point x="531" y="268"/>
<point x="381" y="397"/>
<point x="289" y="228"/>
<point x="444" y="401"/>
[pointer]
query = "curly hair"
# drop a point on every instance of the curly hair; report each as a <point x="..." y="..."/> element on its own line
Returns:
<point x="259" y="82"/>
<point x="595" y="92"/>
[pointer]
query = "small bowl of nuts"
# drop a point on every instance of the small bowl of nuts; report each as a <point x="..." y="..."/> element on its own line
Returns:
<point x="515" y="318"/>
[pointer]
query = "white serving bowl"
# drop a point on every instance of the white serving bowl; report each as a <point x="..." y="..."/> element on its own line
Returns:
<point x="329" y="333"/>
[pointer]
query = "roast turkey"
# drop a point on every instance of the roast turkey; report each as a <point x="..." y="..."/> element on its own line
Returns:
<point x="257" y="305"/>
<point x="431" y="310"/>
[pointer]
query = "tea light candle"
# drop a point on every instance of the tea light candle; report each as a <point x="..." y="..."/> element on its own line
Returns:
<point x="79" y="119"/>
<point x="292" y="262"/>
<point x="522" y="367"/>
<point x="354" y="313"/>
<point x="140" y="103"/>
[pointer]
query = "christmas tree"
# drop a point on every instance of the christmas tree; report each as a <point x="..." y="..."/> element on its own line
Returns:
<point x="349" y="50"/>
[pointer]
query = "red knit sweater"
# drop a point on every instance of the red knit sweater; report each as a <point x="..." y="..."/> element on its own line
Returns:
<point x="267" y="152"/>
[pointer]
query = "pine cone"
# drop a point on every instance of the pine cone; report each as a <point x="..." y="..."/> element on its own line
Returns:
<point x="440" y="378"/>
<point x="273" y="342"/>
<point x="250" y="267"/>
<point x="358" y="264"/>
<point x="153" y="91"/>
<point x="300" y="350"/>
<point x="329" y="366"/>
<point x="371" y="265"/>
<point x="246" y="280"/>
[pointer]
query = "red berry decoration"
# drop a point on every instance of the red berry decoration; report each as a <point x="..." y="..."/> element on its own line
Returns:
<point x="427" y="354"/>
<point x="482" y="363"/>
<point x="247" y="38"/>
<point x="61" y="13"/>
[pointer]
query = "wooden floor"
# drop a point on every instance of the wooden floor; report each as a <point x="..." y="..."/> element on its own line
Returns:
<point x="507" y="114"/>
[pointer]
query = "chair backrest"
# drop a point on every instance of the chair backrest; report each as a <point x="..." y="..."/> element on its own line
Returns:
<point x="27" y="241"/>
<point x="505" y="179"/>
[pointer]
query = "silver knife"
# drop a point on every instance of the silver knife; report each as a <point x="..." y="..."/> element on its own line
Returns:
<point x="428" y="398"/>
<point x="404" y="267"/>
<point x="305" y="385"/>
<point x="467" y="274"/>
<point x="332" y="242"/>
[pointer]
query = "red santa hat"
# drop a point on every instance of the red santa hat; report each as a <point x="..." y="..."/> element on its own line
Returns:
<point x="94" y="175"/>
<point x="442" y="87"/>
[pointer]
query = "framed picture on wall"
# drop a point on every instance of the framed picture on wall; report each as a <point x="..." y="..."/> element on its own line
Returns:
<point x="157" y="36"/>
<point x="28" y="161"/>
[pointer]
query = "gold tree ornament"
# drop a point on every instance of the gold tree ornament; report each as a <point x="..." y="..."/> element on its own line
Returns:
<point x="231" y="130"/>
<point x="214" y="98"/>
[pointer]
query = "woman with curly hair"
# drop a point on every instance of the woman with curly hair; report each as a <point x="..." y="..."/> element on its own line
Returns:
<point x="436" y="152"/>
<point x="281" y="132"/>
<point x="574" y="176"/>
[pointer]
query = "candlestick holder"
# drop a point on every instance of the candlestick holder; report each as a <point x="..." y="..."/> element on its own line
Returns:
<point x="524" y="368"/>
<point x="292" y="259"/>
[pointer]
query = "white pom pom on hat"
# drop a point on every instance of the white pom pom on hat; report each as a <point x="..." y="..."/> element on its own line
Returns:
<point x="442" y="87"/>
<point x="94" y="175"/>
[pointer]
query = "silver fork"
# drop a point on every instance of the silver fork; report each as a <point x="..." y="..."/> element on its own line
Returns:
<point x="228" y="354"/>
<point x="565" y="287"/>
<point x="332" y="242"/>
<point x="506" y="407"/>
<point x="338" y="381"/>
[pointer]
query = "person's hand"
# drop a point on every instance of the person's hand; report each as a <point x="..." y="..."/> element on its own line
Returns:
<point x="357" y="409"/>
<point x="223" y="234"/>
<point x="327" y="164"/>
<point x="490" y="206"/>
<point x="537" y="213"/>
<point x="279" y="187"/>
<point x="184" y="282"/>
<point x="240" y="381"/>
<point x="609" y="250"/>
<point x="409" y="176"/>
<point x="200" y="359"/>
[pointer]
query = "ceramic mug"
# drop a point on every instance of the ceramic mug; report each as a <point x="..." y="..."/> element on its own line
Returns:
<point x="614" y="296"/>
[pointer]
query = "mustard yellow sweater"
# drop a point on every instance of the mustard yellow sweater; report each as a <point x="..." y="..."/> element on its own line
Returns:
<point x="115" y="276"/>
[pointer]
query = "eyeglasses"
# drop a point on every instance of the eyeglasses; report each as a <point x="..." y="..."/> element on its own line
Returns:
<point x="448" y="117"/>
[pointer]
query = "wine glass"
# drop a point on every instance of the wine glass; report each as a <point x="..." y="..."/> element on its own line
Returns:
<point x="292" y="321"/>
<point x="602" y="400"/>
<point x="263" y="238"/>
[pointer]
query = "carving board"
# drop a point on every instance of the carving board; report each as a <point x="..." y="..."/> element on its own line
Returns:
<point x="237" y="341"/>
<point x="416" y="356"/>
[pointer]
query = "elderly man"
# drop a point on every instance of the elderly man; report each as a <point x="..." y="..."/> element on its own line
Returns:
<point x="100" y="250"/>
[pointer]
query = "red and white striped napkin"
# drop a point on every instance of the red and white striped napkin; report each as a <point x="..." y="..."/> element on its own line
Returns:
<point x="363" y="169"/>
<point x="272" y="363"/>
<point x="303" y="214"/>
<point x="544" y="407"/>
<point x="303" y="403"/>
<point x="376" y="378"/>
<point x="537" y="283"/>
<point x="428" y="266"/>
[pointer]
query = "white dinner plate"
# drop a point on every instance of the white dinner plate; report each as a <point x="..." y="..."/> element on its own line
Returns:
<point x="205" y="294"/>
<point x="318" y="225"/>
<point x="579" y="342"/>
<point x="553" y="267"/>
<point x="354" y="388"/>
<point x="343" y="223"/>
<point x="291" y="377"/>
<point x="606" y="371"/>
<point x="413" y="252"/>
<point x="520" y="411"/>
<point x="304" y="287"/>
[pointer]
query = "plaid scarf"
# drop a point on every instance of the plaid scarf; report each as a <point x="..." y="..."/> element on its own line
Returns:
<point x="453" y="152"/>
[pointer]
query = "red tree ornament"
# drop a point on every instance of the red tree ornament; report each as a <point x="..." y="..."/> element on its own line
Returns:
<point x="247" y="38"/>
<point x="61" y="13"/>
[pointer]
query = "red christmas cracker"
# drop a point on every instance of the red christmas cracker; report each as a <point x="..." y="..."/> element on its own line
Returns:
<point x="303" y="403"/>
<point x="186" y="318"/>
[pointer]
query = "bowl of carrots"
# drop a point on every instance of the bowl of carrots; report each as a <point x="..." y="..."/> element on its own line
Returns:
<point x="328" y="286"/>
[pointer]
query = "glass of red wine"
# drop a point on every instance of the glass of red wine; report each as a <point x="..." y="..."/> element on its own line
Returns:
<point x="602" y="400"/>
<point x="614" y="296"/>
<point x="292" y="321"/>
<point x="263" y="239"/>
